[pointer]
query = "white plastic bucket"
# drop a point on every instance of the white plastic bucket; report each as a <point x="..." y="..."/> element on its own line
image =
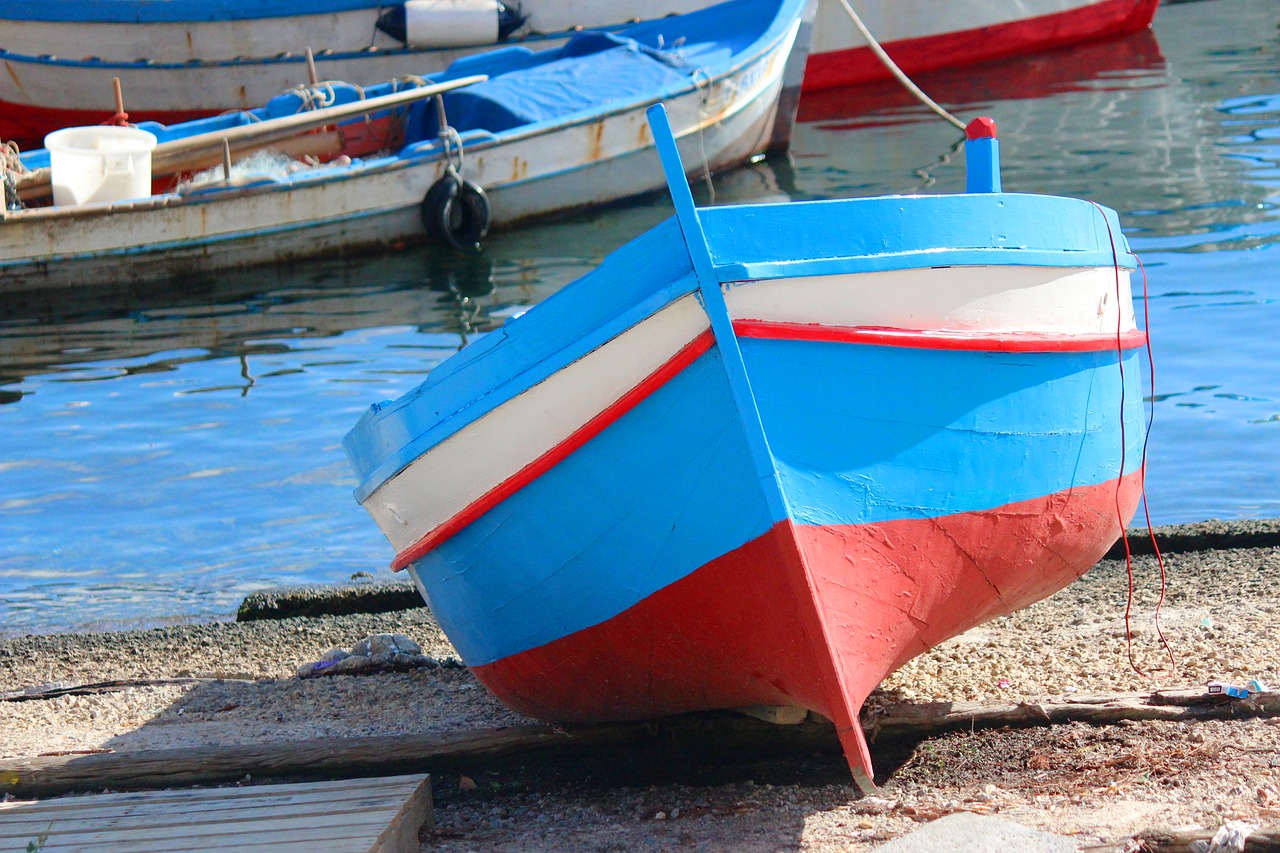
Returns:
<point x="88" y="164"/>
<point x="450" y="23"/>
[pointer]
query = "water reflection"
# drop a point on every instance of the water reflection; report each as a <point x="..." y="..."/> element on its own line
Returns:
<point x="167" y="449"/>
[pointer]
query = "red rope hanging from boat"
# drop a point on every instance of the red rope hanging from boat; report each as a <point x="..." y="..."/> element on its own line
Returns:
<point x="1146" y="509"/>
<point x="1128" y="554"/>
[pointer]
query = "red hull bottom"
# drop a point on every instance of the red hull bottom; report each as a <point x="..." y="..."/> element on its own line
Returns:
<point x="814" y="617"/>
<point x="1108" y="19"/>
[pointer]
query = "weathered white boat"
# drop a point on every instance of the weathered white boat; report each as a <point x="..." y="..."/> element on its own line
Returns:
<point x="547" y="131"/>
<point x="181" y="59"/>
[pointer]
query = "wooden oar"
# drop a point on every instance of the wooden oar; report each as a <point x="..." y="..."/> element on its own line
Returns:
<point x="167" y="155"/>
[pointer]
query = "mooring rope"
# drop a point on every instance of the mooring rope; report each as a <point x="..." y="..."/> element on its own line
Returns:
<point x="895" y="70"/>
<point x="1128" y="554"/>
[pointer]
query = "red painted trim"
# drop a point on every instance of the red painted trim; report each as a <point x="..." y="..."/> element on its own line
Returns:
<point x="940" y="340"/>
<point x="27" y="124"/>
<point x="982" y="127"/>
<point x="557" y="454"/>
<point x="1106" y="19"/>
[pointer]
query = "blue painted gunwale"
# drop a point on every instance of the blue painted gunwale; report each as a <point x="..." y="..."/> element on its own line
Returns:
<point x="283" y="58"/>
<point x="172" y="11"/>
<point x="575" y="548"/>
<point x="832" y="237"/>
<point x="717" y="20"/>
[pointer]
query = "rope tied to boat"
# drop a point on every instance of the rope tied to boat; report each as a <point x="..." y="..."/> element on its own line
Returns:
<point x="702" y="82"/>
<point x="1128" y="555"/>
<point x="895" y="70"/>
<point x="11" y="166"/>
<point x="315" y="97"/>
<point x="455" y="209"/>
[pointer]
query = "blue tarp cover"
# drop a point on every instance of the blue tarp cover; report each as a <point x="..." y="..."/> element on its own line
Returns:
<point x="590" y="71"/>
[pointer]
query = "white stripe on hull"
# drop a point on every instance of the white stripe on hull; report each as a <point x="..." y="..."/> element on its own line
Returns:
<point x="450" y="476"/>
<point x="1053" y="300"/>
<point x="475" y="460"/>
<point x="899" y="20"/>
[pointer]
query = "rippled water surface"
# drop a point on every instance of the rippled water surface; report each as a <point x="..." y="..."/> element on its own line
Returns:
<point x="165" y="451"/>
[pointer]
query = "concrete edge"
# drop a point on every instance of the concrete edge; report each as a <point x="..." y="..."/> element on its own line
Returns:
<point x="389" y="596"/>
<point x="338" y="600"/>
<point x="1211" y="535"/>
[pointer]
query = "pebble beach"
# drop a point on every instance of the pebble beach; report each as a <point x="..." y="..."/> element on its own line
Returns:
<point x="238" y="682"/>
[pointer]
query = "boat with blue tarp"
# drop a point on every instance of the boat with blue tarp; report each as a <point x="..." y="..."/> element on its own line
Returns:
<point x="332" y="168"/>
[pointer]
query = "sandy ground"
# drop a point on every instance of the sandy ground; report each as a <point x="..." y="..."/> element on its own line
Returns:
<point x="1097" y="784"/>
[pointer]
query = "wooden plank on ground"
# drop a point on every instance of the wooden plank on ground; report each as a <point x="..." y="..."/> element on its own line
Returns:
<point x="468" y="751"/>
<point x="381" y="815"/>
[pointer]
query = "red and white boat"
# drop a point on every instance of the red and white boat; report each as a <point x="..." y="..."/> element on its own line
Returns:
<point x="925" y="35"/>
<point x="182" y="59"/>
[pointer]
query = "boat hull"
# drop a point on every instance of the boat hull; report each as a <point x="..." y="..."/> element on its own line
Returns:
<point x="810" y="611"/>
<point x="375" y="204"/>
<point x="198" y="68"/>
<point x="925" y="36"/>
<point x="659" y="513"/>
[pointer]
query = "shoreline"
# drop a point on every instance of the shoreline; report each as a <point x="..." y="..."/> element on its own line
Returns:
<point x="383" y="595"/>
<point x="1091" y="782"/>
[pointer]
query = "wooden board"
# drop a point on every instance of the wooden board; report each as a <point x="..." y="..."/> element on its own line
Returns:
<point x="729" y="734"/>
<point x="381" y="815"/>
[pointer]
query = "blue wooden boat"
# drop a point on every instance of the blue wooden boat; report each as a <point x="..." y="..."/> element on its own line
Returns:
<point x="530" y="133"/>
<point x="765" y="454"/>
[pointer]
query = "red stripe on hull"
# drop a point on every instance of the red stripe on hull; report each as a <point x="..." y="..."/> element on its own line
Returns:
<point x="814" y="617"/>
<point x="940" y="340"/>
<point x="544" y="463"/>
<point x="1107" y="19"/>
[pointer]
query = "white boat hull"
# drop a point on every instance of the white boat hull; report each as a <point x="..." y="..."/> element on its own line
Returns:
<point x="361" y="209"/>
<point x="173" y="71"/>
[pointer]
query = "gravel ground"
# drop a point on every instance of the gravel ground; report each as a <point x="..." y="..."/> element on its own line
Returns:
<point x="1098" y="784"/>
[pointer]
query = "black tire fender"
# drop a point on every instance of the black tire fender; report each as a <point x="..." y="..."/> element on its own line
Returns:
<point x="457" y="211"/>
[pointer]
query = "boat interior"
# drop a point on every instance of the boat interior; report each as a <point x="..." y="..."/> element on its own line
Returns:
<point x="525" y="92"/>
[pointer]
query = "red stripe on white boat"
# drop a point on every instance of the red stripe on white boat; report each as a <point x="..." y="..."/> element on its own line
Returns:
<point x="939" y="340"/>
<point x="926" y="36"/>
<point x="548" y="459"/>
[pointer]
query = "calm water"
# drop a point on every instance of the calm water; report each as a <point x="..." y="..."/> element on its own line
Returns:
<point x="164" y="452"/>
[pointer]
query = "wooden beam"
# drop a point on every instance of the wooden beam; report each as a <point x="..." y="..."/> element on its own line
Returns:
<point x="325" y="143"/>
<point x="168" y="157"/>
<point x="356" y="816"/>
<point x="1262" y="840"/>
<point x="467" y="752"/>
<point x="712" y="733"/>
<point x="904" y="720"/>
